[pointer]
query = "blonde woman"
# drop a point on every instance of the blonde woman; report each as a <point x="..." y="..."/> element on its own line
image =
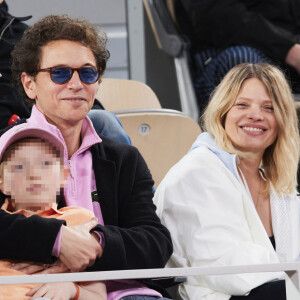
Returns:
<point x="232" y="199"/>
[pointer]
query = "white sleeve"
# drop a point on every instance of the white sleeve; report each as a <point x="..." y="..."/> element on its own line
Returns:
<point x="202" y="205"/>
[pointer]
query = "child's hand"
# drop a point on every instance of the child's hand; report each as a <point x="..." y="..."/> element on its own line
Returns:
<point x="54" y="291"/>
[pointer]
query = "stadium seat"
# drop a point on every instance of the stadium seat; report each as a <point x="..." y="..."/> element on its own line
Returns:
<point x="163" y="136"/>
<point x="174" y="44"/>
<point x="124" y="94"/>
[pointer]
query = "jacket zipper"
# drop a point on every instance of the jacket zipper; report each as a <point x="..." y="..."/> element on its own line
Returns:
<point x="5" y="28"/>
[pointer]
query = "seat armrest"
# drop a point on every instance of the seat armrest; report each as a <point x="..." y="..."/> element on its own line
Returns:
<point x="163" y="27"/>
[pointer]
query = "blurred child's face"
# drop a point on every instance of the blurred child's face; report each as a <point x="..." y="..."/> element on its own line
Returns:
<point x="33" y="175"/>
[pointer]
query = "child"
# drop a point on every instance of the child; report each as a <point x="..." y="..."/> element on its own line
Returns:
<point x="32" y="173"/>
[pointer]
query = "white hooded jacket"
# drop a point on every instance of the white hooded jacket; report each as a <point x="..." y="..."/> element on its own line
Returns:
<point x="213" y="222"/>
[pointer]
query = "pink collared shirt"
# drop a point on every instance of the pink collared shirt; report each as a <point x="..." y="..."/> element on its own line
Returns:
<point x="77" y="193"/>
<point x="80" y="177"/>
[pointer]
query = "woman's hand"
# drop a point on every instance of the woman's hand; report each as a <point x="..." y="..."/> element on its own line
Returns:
<point x="33" y="268"/>
<point x="54" y="291"/>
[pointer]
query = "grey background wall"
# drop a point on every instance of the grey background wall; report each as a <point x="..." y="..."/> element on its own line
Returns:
<point x="110" y="15"/>
<point x="134" y="54"/>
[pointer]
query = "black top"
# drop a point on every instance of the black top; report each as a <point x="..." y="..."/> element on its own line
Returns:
<point x="272" y="239"/>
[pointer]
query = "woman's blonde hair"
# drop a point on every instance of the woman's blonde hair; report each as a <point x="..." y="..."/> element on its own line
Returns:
<point x="280" y="160"/>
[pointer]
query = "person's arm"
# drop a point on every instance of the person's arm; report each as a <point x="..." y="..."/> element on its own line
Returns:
<point x="36" y="236"/>
<point x="137" y="239"/>
<point x="67" y="291"/>
<point x="223" y="23"/>
<point x="212" y="225"/>
<point x="78" y="250"/>
<point x="30" y="239"/>
<point x="293" y="57"/>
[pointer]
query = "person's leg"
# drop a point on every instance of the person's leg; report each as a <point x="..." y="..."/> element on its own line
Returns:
<point x="214" y="65"/>
<point x="108" y="125"/>
<point x="274" y="290"/>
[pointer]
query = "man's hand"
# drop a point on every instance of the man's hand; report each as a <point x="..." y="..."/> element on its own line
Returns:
<point x="79" y="249"/>
<point x="57" y="267"/>
<point x="28" y="267"/>
<point x="293" y="57"/>
<point x="34" y="268"/>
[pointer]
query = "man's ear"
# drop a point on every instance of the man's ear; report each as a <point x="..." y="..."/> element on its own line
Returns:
<point x="29" y="85"/>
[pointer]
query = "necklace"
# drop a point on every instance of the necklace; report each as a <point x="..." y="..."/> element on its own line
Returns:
<point x="256" y="197"/>
<point x="254" y="194"/>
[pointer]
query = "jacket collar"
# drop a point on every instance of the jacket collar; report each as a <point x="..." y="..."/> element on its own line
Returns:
<point x="229" y="160"/>
<point x="106" y="181"/>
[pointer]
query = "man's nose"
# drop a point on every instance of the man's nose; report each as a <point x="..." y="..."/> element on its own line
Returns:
<point x="75" y="82"/>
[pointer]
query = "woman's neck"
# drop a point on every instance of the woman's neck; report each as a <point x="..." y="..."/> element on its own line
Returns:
<point x="258" y="188"/>
<point x="250" y="165"/>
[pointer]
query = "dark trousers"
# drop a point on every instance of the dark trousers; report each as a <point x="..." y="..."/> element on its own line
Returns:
<point x="274" y="290"/>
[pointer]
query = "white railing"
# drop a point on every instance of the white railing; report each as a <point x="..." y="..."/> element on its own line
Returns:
<point x="292" y="269"/>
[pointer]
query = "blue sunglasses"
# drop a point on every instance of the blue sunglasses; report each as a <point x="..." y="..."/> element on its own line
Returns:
<point x="62" y="75"/>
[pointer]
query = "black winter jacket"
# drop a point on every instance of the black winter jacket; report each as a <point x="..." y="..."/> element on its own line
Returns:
<point x="134" y="235"/>
<point x="11" y="31"/>
<point x="272" y="27"/>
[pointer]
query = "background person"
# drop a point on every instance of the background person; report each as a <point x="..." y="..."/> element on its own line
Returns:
<point x="226" y="33"/>
<point x="11" y="31"/>
<point x="11" y="104"/>
<point x="32" y="174"/>
<point x="58" y="64"/>
<point x="232" y="199"/>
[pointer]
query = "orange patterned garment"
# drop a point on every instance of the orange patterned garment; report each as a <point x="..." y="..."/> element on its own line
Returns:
<point x="72" y="215"/>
